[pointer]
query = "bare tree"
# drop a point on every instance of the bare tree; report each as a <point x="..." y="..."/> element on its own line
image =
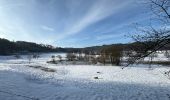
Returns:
<point x="161" y="9"/>
<point x="152" y="39"/>
<point x="94" y="60"/>
<point x="102" y="57"/>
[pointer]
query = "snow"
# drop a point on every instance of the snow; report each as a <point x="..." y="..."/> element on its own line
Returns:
<point x="158" y="56"/>
<point x="18" y="81"/>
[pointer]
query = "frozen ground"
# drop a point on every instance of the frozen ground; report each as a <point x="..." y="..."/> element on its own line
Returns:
<point x="18" y="81"/>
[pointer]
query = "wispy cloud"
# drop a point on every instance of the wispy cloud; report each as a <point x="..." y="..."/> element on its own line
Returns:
<point x="108" y="36"/>
<point x="99" y="11"/>
<point x="47" y="28"/>
<point x="66" y="21"/>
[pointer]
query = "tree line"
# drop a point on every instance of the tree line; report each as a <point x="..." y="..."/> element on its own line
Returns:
<point x="9" y="47"/>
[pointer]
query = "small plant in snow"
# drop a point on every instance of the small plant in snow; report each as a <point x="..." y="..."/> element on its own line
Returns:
<point x="59" y="57"/>
<point x="167" y="73"/>
<point x="29" y="58"/>
<point x="36" y="56"/>
<point x="53" y="60"/>
<point x="96" y="77"/>
<point x="151" y="57"/>
<point x="17" y="56"/>
<point x="167" y="54"/>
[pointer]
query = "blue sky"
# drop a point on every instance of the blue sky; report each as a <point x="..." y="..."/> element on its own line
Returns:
<point x="71" y="23"/>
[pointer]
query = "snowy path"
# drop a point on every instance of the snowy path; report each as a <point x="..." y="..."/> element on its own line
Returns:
<point x="20" y="82"/>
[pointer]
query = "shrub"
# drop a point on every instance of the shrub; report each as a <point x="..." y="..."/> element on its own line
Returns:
<point x="59" y="57"/>
<point x="71" y="56"/>
<point x="29" y="58"/>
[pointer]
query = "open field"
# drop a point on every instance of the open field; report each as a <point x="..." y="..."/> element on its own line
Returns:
<point x="38" y="80"/>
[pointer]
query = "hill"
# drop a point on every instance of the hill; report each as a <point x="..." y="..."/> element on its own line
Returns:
<point x="9" y="47"/>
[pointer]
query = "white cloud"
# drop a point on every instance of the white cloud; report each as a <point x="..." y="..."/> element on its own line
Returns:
<point x="21" y="29"/>
<point x="13" y="25"/>
<point x="97" y="12"/>
<point x="107" y="36"/>
<point x="47" y="28"/>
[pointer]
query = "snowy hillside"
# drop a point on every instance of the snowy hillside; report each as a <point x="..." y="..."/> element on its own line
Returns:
<point x="20" y="80"/>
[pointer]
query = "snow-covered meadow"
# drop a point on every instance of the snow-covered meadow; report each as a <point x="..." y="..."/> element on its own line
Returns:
<point x="20" y="81"/>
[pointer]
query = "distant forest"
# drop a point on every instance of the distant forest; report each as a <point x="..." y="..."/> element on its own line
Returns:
<point x="10" y="47"/>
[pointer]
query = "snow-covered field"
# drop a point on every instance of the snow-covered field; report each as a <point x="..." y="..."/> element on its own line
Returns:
<point x="19" y="81"/>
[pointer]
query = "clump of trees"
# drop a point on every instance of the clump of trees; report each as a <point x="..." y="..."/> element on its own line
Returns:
<point x="116" y="55"/>
<point x="111" y="55"/>
<point x="103" y="57"/>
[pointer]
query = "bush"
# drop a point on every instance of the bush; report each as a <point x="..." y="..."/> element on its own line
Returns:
<point x="59" y="57"/>
<point x="167" y="54"/>
<point x="71" y="56"/>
